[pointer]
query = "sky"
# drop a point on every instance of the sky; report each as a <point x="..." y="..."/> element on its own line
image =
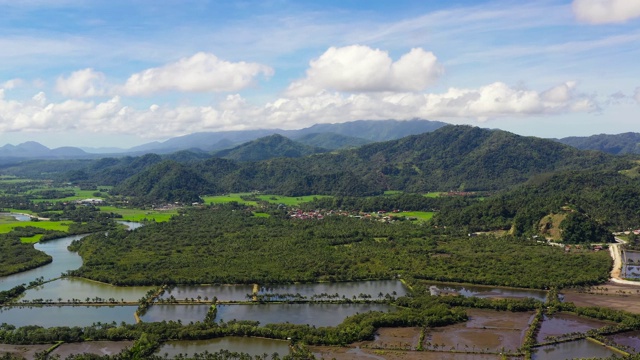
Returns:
<point x="115" y="73"/>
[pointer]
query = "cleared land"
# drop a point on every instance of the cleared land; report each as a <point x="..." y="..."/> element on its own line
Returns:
<point x="614" y="296"/>
<point x="139" y="215"/>
<point x="273" y="199"/>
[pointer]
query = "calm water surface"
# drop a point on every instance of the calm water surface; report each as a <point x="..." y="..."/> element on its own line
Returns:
<point x="49" y="316"/>
<point x="572" y="350"/>
<point x="252" y="346"/>
<point x="77" y="288"/>
<point x="63" y="260"/>
<point x="312" y="314"/>
<point x="486" y="291"/>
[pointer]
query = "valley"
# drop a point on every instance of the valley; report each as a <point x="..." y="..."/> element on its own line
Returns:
<point x="430" y="246"/>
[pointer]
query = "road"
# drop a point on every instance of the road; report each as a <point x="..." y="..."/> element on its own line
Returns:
<point x="616" y="255"/>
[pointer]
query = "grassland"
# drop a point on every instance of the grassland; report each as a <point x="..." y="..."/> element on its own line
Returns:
<point x="273" y="199"/>
<point x="139" y="215"/>
<point x="79" y="195"/>
<point x="433" y="194"/>
<point x="420" y="215"/>
<point x="224" y="199"/>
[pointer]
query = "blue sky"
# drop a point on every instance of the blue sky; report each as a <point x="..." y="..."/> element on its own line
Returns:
<point x="121" y="73"/>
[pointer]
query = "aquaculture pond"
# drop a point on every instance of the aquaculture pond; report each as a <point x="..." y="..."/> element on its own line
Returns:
<point x="578" y="349"/>
<point x="562" y="323"/>
<point x="485" y="291"/>
<point x="312" y="314"/>
<point x="252" y="346"/>
<point x="50" y="316"/>
<point x="323" y="291"/>
<point x="67" y="289"/>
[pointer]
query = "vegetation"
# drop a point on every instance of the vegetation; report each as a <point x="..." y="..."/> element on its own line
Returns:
<point x="226" y="244"/>
<point x="16" y="256"/>
<point x="273" y="146"/>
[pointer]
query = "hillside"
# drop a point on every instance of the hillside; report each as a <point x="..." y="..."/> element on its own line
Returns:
<point x="269" y="147"/>
<point x="608" y="197"/>
<point x="453" y="157"/>
<point x="332" y="141"/>
<point x="626" y="143"/>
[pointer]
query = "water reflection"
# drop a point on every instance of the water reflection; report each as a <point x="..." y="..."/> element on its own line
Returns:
<point x="572" y="350"/>
<point x="312" y="314"/>
<point x="63" y="260"/>
<point x="49" y="316"/>
<point x="252" y="346"/>
<point x="486" y="291"/>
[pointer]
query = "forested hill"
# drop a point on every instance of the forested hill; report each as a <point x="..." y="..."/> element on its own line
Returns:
<point x="609" y="198"/>
<point x="268" y="147"/>
<point x="453" y="157"/>
<point x="626" y="143"/>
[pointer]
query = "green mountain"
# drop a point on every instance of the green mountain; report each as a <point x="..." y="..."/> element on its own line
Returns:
<point x="453" y="157"/>
<point x="626" y="143"/>
<point x="269" y="147"/>
<point x="332" y="141"/>
<point x="608" y="197"/>
<point x="169" y="181"/>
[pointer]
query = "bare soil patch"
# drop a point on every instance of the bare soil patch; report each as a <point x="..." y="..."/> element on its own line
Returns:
<point x="614" y="296"/>
<point x="346" y="353"/>
<point x="26" y="351"/>
<point x="92" y="347"/>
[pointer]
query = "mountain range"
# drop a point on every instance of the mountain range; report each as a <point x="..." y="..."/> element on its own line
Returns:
<point x="317" y="138"/>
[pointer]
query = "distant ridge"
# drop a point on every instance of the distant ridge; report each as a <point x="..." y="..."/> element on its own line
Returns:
<point x="370" y="130"/>
<point x="32" y="149"/>
<point x="625" y="143"/>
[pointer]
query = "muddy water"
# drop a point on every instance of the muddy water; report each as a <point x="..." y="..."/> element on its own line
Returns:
<point x="23" y="351"/>
<point x="572" y="350"/>
<point x="375" y="289"/>
<point x="331" y="290"/>
<point x="91" y="347"/>
<point x="252" y="346"/>
<point x="485" y="291"/>
<point x="559" y="324"/>
<point x="49" y="316"/>
<point x="339" y="353"/>
<point x="312" y="314"/>
<point x="629" y="339"/>
<point x="486" y="330"/>
<point x="65" y="290"/>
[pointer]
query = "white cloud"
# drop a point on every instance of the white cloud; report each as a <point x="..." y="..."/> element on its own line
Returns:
<point x="201" y="72"/>
<point x="606" y="11"/>
<point x="82" y="83"/>
<point x="496" y="100"/>
<point x="11" y="84"/>
<point x="358" y="68"/>
<point x="636" y="95"/>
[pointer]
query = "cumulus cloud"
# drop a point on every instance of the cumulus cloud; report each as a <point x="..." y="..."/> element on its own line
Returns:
<point x="82" y="83"/>
<point x="201" y="72"/>
<point x="494" y="100"/>
<point x="606" y="11"/>
<point x="358" y="68"/>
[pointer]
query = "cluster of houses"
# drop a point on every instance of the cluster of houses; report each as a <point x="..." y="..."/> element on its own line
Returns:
<point x="381" y="215"/>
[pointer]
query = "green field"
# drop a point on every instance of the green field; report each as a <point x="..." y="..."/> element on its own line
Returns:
<point x="223" y="199"/>
<point x="31" y="240"/>
<point x="289" y="200"/>
<point x="139" y="215"/>
<point x="273" y="199"/>
<point x="47" y="225"/>
<point x="79" y="195"/>
<point x="261" y="214"/>
<point x="421" y="215"/>
<point x="433" y="194"/>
